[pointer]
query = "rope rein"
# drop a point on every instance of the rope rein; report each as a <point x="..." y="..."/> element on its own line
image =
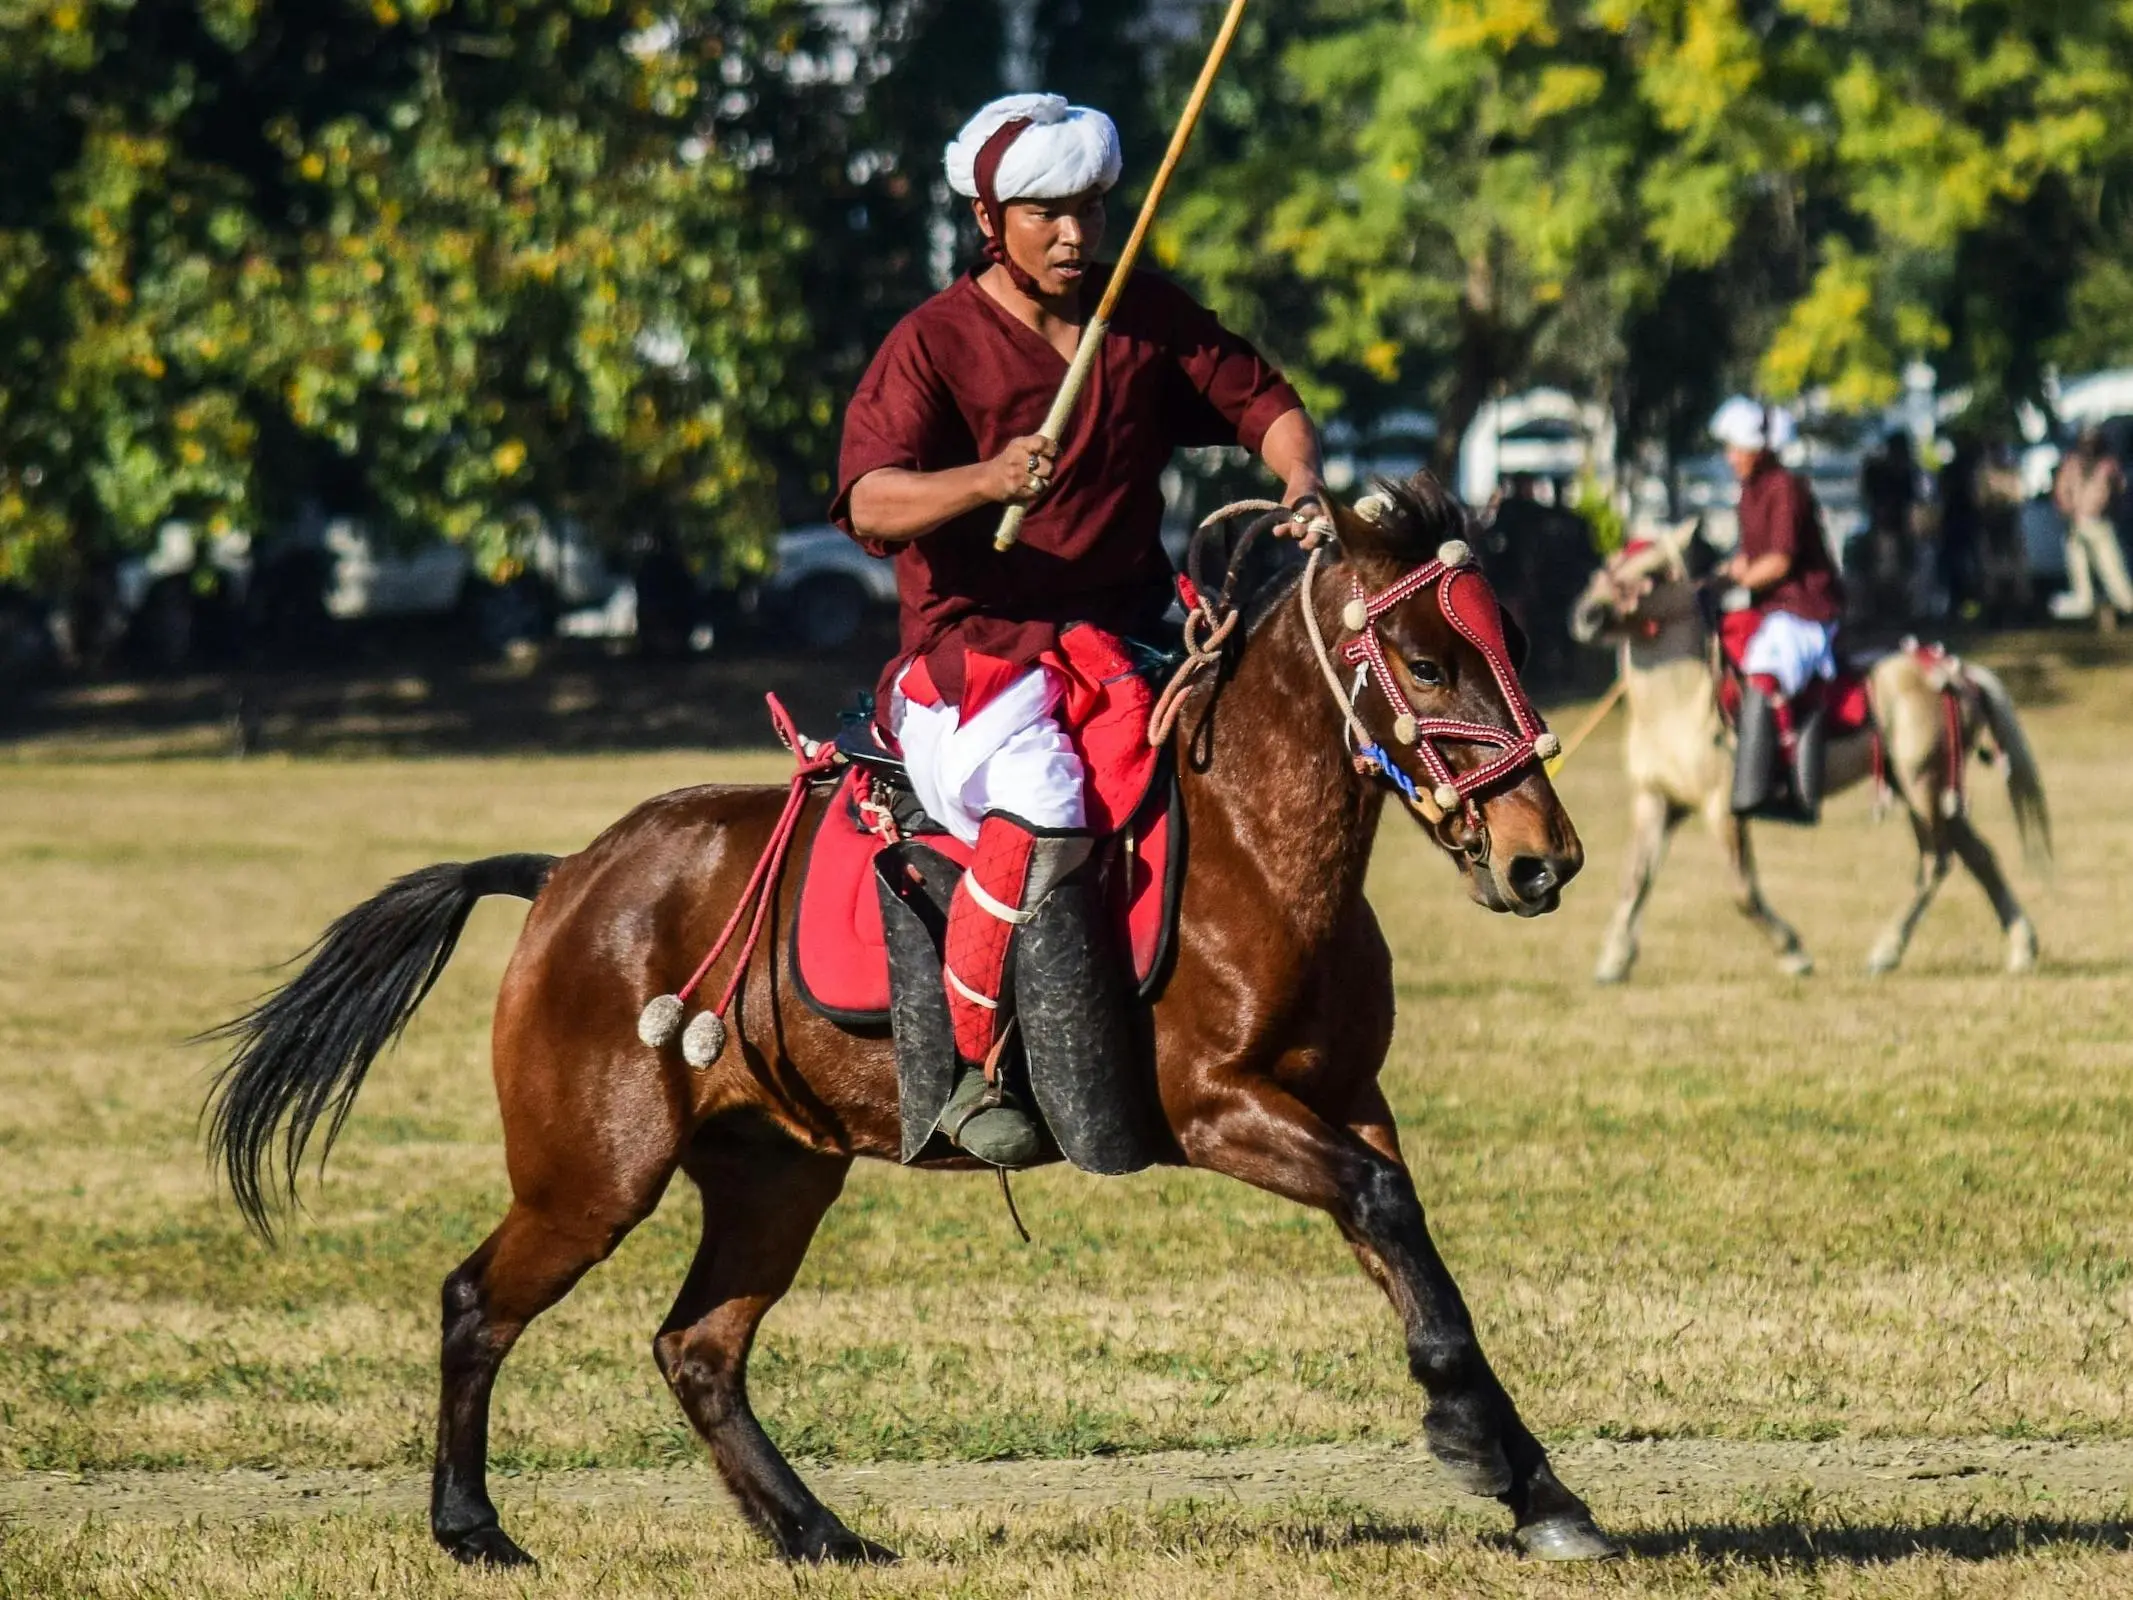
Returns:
<point x="705" y="1038"/>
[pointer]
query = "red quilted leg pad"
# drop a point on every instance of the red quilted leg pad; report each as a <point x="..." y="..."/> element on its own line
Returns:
<point x="976" y="951"/>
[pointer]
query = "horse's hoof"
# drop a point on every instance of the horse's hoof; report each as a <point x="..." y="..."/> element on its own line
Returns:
<point x="2022" y="949"/>
<point x="1476" y="1466"/>
<point x="487" y="1546"/>
<point x="1607" y="974"/>
<point x="1882" y="962"/>
<point x="844" y="1548"/>
<point x="1566" y="1539"/>
<point x="1797" y="964"/>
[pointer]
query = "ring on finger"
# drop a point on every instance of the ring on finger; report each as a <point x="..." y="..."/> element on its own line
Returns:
<point x="1033" y="458"/>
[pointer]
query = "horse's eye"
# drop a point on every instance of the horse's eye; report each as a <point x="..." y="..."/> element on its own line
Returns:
<point x="1424" y="670"/>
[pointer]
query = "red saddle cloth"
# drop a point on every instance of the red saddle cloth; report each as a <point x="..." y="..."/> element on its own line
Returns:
<point x="1843" y="698"/>
<point x="840" y="953"/>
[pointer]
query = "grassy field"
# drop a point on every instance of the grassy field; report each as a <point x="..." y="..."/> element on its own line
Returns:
<point x="1717" y="1203"/>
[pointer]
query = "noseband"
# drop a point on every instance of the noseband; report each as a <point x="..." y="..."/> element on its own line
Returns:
<point x="1469" y="605"/>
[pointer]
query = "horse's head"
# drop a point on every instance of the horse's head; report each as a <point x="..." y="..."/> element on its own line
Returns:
<point x="1429" y="664"/>
<point x="1644" y="589"/>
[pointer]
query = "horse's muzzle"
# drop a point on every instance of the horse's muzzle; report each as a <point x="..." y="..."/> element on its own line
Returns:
<point x="1534" y="884"/>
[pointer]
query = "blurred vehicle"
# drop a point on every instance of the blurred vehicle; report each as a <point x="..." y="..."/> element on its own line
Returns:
<point x="823" y="588"/>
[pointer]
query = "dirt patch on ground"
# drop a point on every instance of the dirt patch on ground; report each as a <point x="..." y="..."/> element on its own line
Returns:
<point x="1389" y="1480"/>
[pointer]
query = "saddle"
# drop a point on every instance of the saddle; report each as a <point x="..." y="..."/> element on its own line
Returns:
<point x="1842" y="700"/>
<point x="866" y="940"/>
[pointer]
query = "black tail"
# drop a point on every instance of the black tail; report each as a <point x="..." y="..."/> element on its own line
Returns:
<point x="302" y="1051"/>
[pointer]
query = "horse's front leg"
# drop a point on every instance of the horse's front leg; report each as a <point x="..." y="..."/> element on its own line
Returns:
<point x="1252" y="1129"/>
<point x="1652" y="821"/>
<point x="1732" y="835"/>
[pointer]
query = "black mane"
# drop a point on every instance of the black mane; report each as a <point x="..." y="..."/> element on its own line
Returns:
<point x="1421" y="513"/>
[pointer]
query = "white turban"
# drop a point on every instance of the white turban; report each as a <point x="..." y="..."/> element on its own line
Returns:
<point x="1745" y="424"/>
<point x="1064" y="150"/>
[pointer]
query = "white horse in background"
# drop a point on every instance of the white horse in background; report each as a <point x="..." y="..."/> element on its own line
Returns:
<point x="1680" y="759"/>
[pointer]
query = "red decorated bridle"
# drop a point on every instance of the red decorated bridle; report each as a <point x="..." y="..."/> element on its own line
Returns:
<point x="1469" y="605"/>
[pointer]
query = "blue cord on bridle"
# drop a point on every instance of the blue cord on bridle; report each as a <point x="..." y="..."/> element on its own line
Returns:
<point x="1380" y="761"/>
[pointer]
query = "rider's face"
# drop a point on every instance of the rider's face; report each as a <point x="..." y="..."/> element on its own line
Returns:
<point x="1054" y="241"/>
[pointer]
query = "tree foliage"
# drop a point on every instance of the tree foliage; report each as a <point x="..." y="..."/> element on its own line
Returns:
<point x="1423" y="199"/>
<point x="449" y="259"/>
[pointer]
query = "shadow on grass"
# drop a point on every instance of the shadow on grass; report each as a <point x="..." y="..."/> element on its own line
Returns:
<point x="1784" y="1543"/>
<point x="1795" y="1544"/>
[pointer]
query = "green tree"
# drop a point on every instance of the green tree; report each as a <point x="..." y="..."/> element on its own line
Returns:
<point x="1439" y="197"/>
<point x="465" y="257"/>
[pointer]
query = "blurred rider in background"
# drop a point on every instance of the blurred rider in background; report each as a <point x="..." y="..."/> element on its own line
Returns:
<point x="1792" y="592"/>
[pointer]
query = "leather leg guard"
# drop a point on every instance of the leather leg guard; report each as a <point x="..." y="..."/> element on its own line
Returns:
<point x="914" y="918"/>
<point x="1760" y="779"/>
<point x="1013" y="868"/>
<point x="1810" y="757"/>
<point x="1078" y="1038"/>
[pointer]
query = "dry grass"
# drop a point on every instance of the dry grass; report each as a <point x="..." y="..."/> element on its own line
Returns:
<point x="1715" y="1203"/>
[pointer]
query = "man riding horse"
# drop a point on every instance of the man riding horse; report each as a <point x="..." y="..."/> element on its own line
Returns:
<point x="1786" y="642"/>
<point x="1012" y="677"/>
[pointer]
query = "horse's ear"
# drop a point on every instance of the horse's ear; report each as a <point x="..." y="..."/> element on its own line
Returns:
<point x="1514" y="638"/>
<point x="1364" y="525"/>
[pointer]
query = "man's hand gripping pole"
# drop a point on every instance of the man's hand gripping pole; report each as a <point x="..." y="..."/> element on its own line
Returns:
<point x="1092" y="331"/>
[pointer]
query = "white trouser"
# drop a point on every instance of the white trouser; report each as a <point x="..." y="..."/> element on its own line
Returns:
<point x="1011" y="756"/>
<point x="2093" y="542"/>
<point x="1792" y="650"/>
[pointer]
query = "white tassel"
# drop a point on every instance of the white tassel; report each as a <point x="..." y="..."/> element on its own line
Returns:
<point x="1447" y="798"/>
<point x="1546" y="745"/>
<point x="704" y="1040"/>
<point x="1373" y="506"/>
<point x="1355" y="615"/>
<point x="1454" y="553"/>
<point x="1403" y="728"/>
<point x="660" y="1020"/>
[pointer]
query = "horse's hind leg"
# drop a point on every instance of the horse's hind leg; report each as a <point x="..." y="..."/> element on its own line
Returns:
<point x="1976" y="854"/>
<point x="762" y="1203"/>
<point x="1267" y="1138"/>
<point x="1933" y="842"/>
<point x="524" y="1267"/>
<point x="1732" y="834"/>
<point x="1653" y="819"/>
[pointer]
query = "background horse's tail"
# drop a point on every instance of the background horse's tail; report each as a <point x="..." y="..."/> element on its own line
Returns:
<point x="302" y="1051"/>
<point x="2025" y="784"/>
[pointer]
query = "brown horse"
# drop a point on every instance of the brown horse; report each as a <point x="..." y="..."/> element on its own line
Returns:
<point x="1264" y="1046"/>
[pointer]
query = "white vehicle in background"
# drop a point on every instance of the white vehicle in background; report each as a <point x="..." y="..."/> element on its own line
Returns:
<point x="823" y="587"/>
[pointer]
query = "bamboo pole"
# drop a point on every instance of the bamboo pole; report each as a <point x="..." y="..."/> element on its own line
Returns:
<point x="1092" y="331"/>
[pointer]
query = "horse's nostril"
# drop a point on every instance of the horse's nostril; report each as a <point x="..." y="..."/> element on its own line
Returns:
<point x="1532" y="877"/>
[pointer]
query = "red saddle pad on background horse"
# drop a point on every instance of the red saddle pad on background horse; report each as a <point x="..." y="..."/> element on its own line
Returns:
<point x="840" y="954"/>
<point x="1844" y="698"/>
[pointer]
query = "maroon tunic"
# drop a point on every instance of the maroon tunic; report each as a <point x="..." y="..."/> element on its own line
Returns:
<point x="960" y="377"/>
<point x="1778" y="514"/>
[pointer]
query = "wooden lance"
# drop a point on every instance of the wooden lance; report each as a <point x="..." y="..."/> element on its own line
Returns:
<point x="1092" y="331"/>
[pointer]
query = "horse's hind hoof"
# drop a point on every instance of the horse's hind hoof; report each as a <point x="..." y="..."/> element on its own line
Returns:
<point x="487" y="1546"/>
<point x="1566" y="1539"/>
